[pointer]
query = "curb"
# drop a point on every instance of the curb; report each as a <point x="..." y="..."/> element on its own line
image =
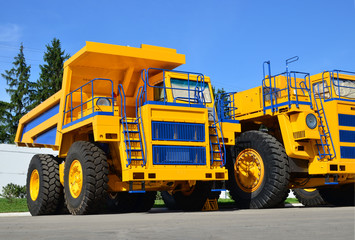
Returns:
<point x="294" y="205"/>
<point x="15" y="214"/>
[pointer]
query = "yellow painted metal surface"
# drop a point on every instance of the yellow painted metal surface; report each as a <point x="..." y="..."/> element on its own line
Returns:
<point x="299" y="140"/>
<point x="75" y="178"/>
<point x="34" y="184"/>
<point x="249" y="170"/>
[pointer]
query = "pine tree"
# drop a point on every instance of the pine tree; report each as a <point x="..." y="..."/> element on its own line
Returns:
<point x="20" y="91"/>
<point x="5" y="118"/>
<point x="50" y="80"/>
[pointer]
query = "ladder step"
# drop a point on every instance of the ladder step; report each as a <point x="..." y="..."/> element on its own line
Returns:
<point x="132" y="140"/>
<point x="134" y="150"/>
<point x="215" y="143"/>
<point x="125" y="131"/>
<point x="135" y="159"/>
<point x="217" y="151"/>
<point x="213" y="135"/>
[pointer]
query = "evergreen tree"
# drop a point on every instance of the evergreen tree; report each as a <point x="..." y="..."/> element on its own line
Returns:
<point x="5" y="118"/>
<point x="218" y="91"/>
<point x="20" y="91"/>
<point x="50" y="80"/>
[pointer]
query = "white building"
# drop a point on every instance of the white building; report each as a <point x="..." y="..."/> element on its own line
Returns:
<point x="14" y="163"/>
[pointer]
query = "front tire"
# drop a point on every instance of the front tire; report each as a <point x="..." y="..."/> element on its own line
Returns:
<point x="44" y="190"/>
<point x="85" y="178"/>
<point x="258" y="172"/>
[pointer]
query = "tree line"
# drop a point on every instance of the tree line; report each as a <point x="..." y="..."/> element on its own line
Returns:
<point x="24" y="94"/>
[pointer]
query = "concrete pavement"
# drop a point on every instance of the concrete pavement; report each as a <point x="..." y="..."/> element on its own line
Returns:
<point x="285" y="223"/>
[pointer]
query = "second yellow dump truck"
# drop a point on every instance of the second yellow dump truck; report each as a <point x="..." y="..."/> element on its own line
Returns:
<point x="297" y="132"/>
<point x="125" y="125"/>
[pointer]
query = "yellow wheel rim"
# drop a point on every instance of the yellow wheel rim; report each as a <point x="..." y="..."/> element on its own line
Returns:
<point x="310" y="189"/>
<point x="249" y="170"/>
<point x="75" y="178"/>
<point x="34" y="185"/>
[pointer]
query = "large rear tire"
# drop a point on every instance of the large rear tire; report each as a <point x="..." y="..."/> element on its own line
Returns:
<point x="85" y="178"/>
<point x="342" y="195"/>
<point x="44" y="191"/>
<point x="309" y="197"/>
<point x="258" y="171"/>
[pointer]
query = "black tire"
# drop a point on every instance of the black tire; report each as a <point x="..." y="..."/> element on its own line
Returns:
<point x="309" y="198"/>
<point x="94" y="166"/>
<point x="144" y="201"/>
<point x="50" y="197"/>
<point x="271" y="189"/>
<point x="194" y="200"/>
<point x="124" y="202"/>
<point x="342" y="195"/>
<point x="169" y="200"/>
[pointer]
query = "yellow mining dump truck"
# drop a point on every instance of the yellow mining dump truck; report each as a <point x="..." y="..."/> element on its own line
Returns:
<point x="297" y="131"/>
<point x="125" y="125"/>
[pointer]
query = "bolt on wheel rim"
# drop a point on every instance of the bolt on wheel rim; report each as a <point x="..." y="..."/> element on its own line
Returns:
<point x="249" y="170"/>
<point x="75" y="178"/>
<point x="34" y="185"/>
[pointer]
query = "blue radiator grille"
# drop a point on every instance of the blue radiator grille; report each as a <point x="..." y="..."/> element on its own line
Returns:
<point x="179" y="155"/>
<point x="346" y="120"/>
<point x="347" y="136"/>
<point x="347" y="152"/>
<point x="171" y="131"/>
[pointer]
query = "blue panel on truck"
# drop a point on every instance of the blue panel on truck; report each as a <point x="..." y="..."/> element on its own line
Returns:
<point x="41" y="118"/>
<point x="179" y="155"/>
<point x="347" y="152"/>
<point x="346" y="120"/>
<point x="174" y="131"/>
<point x="47" y="137"/>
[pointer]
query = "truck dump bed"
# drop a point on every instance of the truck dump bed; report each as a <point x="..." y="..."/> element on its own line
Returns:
<point x="42" y="127"/>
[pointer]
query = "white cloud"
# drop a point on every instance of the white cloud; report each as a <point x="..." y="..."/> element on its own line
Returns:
<point x="10" y="32"/>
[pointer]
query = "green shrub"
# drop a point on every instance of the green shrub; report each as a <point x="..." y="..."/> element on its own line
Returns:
<point x="11" y="191"/>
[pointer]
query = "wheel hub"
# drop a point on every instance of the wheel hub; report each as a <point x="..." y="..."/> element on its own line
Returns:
<point x="249" y="170"/>
<point x="75" y="178"/>
<point x="34" y="185"/>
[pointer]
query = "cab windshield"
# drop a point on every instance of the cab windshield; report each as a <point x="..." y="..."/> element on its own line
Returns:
<point x="181" y="89"/>
<point x="344" y="88"/>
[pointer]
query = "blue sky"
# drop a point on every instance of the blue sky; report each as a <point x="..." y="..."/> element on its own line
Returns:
<point x="226" y="40"/>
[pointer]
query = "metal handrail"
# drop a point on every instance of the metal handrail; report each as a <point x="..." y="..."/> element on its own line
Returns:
<point x="225" y="104"/>
<point x="122" y="95"/>
<point x="81" y="99"/>
<point x="269" y="82"/>
<point x="139" y="103"/>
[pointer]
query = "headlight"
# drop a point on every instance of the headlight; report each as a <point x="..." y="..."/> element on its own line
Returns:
<point x="103" y="102"/>
<point x="311" y="121"/>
